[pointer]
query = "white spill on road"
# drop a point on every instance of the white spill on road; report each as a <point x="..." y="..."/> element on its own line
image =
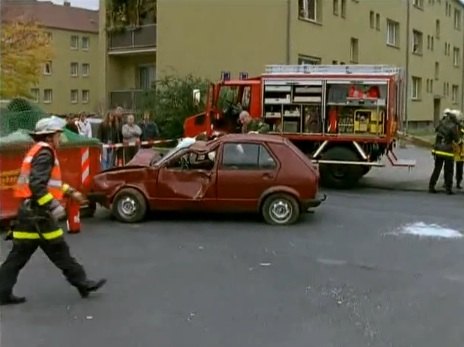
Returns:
<point x="429" y="230"/>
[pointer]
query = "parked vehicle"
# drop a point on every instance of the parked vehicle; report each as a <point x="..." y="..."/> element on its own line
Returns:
<point x="233" y="173"/>
<point x="344" y="117"/>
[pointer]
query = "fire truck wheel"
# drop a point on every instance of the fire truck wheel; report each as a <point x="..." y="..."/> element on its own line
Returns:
<point x="365" y="170"/>
<point x="280" y="209"/>
<point x="340" y="176"/>
<point x="129" y="206"/>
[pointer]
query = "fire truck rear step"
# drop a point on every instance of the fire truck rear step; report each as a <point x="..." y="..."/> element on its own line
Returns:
<point x="394" y="161"/>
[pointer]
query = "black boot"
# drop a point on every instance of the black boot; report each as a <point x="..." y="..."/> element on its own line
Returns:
<point x="458" y="185"/>
<point x="432" y="190"/>
<point x="90" y="286"/>
<point x="11" y="299"/>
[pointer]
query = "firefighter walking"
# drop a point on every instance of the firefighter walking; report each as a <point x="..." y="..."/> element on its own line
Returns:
<point x="459" y="155"/>
<point x="447" y="136"/>
<point x="40" y="188"/>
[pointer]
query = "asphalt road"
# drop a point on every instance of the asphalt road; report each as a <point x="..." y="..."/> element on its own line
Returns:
<point x="343" y="276"/>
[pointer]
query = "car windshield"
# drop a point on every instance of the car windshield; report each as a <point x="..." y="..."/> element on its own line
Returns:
<point x="183" y="144"/>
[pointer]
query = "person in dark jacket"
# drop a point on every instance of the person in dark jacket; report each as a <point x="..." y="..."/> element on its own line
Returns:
<point x="40" y="188"/>
<point x="447" y="136"/>
<point x="149" y="128"/>
<point x="109" y="134"/>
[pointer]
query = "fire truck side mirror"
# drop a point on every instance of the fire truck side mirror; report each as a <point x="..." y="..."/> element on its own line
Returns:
<point x="196" y="97"/>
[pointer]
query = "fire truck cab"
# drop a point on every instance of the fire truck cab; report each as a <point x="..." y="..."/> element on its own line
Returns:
<point x="344" y="117"/>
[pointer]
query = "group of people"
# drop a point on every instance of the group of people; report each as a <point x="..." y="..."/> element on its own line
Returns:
<point x="448" y="150"/>
<point x="117" y="127"/>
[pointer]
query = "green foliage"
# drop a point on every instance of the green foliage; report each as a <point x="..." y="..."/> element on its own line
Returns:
<point x="172" y="102"/>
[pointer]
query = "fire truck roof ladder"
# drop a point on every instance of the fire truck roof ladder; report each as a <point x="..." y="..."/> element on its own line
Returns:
<point x="333" y="69"/>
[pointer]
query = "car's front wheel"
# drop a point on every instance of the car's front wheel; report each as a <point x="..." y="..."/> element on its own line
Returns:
<point x="129" y="206"/>
<point x="280" y="209"/>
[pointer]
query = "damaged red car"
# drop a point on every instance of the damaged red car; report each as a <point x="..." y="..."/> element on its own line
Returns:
<point x="259" y="173"/>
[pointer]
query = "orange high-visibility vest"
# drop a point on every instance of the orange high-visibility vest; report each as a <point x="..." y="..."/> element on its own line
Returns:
<point x="55" y="185"/>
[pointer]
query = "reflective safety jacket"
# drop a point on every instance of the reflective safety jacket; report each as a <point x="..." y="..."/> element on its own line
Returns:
<point x="446" y="140"/>
<point x="47" y="185"/>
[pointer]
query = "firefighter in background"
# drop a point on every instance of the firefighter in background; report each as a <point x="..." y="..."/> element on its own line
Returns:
<point x="447" y="136"/>
<point x="459" y="156"/>
<point x="253" y="126"/>
<point x="40" y="188"/>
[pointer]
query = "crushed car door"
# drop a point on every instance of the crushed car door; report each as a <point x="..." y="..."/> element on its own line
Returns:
<point x="187" y="182"/>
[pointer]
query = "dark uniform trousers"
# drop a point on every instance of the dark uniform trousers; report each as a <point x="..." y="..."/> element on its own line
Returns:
<point x="26" y="243"/>
<point x="448" y="163"/>
<point x="459" y="172"/>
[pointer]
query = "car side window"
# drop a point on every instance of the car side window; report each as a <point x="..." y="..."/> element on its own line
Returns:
<point x="247" y="156"/>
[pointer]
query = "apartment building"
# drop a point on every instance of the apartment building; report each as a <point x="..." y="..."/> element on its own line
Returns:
<point x="205" y="37"/>
<point x="69" y="83"/>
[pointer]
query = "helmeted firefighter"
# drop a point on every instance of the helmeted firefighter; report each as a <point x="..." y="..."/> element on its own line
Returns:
<point x="447" y="137"/>
<point x="40" y="188"/>
<point x="459" y="155"/>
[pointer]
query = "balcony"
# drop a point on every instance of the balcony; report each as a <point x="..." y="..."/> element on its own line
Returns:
<point x="132" y="100"/>
<point x="133" y="40"/>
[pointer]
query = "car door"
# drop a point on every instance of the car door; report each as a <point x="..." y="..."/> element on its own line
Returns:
<point x="181" y="186"/>
<point x="245" y="171"/>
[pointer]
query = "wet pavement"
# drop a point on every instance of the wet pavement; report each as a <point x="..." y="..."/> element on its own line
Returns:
<point x="371" y="267"/>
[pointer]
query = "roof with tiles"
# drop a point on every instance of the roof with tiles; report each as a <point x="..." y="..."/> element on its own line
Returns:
<point x="50" y="15"/>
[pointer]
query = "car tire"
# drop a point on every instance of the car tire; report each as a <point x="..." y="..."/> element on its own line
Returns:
<point x="129" y="206"/>
<point x="280" y="209"/>
<point x="340" y="176"/>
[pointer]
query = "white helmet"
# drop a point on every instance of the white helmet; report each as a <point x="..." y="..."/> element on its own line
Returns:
<point x="50" y="125"/>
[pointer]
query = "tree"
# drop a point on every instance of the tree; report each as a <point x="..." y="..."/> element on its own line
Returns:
<point x="172" y="102"/>
<point x="24" y="48"/>
<point x="122" y="13"/>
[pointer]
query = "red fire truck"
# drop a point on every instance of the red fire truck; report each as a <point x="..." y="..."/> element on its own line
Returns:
<point x="345" y="117"/>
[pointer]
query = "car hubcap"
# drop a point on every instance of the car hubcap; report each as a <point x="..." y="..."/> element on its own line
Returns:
<point x="281" y="211"/>
<point x="127" y="206"/>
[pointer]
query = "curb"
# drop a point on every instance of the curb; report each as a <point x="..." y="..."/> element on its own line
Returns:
<point x="418" y="141"/>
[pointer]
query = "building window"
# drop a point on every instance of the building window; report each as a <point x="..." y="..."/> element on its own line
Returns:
<point x="74" y="42"/>
<point x="354" y="50"/>
<point x="48" y="68"/>
<point x="437" y="28"/>
<point x="85" y="96"/>
<point x="85" y="42"/>
<point x="456" y="56"/>
<point x="74" y="69"/>
<point x="35" y="94"/>
<point x="372" y="19"/>
<point x="343" y="9"/>
<point x="430" y="42"/>
<point x="418" y="3"/>
<point x="445" y="89"/>
<point x="454" y="93"/>
<point x="416" y="88"/>
<point x="447" y="48"/>
<point x="437" y="70"/>
<point x="85" y="69"/>
<point x="335" y="7"/>
<point x="49" y="36"/>
<point x="417" y="41"/>
<point x="429" y="85"/>
<point x="457" y="19"/>
<point x="377" y="21"/>
<point x="48" y="96"/>
<point x="310" y="10"/>
<point x="393" y="30"/>
<point x="308" y="60"/>
<point x="74" y="96"/>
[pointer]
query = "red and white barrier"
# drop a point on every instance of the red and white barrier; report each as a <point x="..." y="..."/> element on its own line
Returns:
<point x="132" y="144"/>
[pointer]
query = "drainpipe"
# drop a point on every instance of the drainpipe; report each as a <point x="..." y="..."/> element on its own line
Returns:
<point x="289" y="18"/>
<point x="408" y="37"/>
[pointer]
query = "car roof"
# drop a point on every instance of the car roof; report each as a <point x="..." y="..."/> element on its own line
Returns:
<point x="252" y="137"/>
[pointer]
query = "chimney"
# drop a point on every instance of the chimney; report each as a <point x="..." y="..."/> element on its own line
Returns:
<point x="67" y="3"/>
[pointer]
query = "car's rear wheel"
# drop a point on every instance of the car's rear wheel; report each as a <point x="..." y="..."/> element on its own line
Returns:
<point x="280" y="209"/>
<point x="129" y="206"/>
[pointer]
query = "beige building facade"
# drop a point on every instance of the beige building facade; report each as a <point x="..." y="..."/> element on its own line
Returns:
<point x="205" y="37"/>
<point x="69" y="82"/>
